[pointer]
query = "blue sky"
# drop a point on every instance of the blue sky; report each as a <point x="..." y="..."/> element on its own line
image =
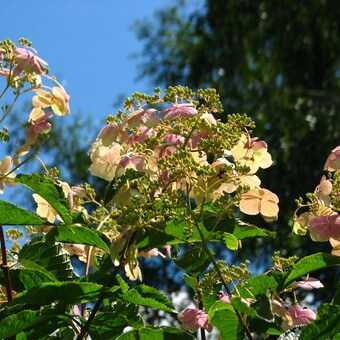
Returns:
<point x="87" y="44"/>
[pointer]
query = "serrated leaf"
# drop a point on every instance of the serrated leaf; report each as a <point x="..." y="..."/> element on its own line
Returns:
<point x="230" y="241"/>
<point x="44" y="187"/>
<point x="77" y="234"/>
<point x="10" y="214"/>
<point x="244" y="230"/>
<point x="224" y="318"/>
<point x="123" y="285"/>
<point x="49" y="256"/>
<point x="16" y="323"/>
<point x="67" y="292"/>
<point x="148" y="296"/>
<point x="32" y="275"/>
<point x="310" y="264"/>
<point x="257" y="285"/>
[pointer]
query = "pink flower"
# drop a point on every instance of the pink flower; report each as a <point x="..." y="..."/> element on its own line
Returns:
<point x="147" y="117"/>
<point x="255" y="144"/>
<point x="40" y="126"/>
<point x="224" y="297"/>
<point x="143" y="133"/>
<point x="28" y="61"/>
<point x="309" y="283"/>
<point x="131" y="161"/>
<point x="173" y="139"/>
<point x="300" y="315"/>
<point x="323" y="227"/>
<point x="112" y="133"/>
<point x="192" y="319"/>
<point x="179" y="111"/>
<point x="333" y="161"/>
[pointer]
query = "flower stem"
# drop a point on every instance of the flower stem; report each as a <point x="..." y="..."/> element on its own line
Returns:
<point x="211" y="256"/>
<point x="4" y="266"/>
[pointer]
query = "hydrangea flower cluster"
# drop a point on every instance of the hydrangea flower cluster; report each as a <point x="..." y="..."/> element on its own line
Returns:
<point x="320" y="214"/>
<point x="24" y="72"/>
<point x="165" y="155"/>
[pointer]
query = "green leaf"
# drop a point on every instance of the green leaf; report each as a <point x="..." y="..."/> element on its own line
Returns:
<point x="190" y="281"/>
<point x="325" y="326"/>
<point x="107" y="325"/>
<point x="49" y="256"/>
<point x="154" y="333"/>
<point x="10" y="214"/>
<point x="230" y="241"/>
<point x="77" y="234"/>
<point x="243" y="230"/>
<point x="32" y="275"/>
<point x="263" y="307"/>
<point x="16" y="323"/>
<point x="44" y="187"/>
<point x="194" y="261"/>
<point x="148" y="296"/>
<point x="257" y="285"/>
<point x="67" y="292"/>
<point x="224" y="318"/>
<point x="152" y="239"/>
<point x="183" y="232"/>
<point x="310" y="264"/>
<point x="123" y="285"/>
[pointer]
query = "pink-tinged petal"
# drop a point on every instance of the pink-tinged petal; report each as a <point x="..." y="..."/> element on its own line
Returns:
<point x="300" y="315"/>
<point x="173" y="139"/>
<point x="143" y="133"/>
<point x="309" y="283"/>
<point x="27" y="60"/>
<point x="250" y="205"/>
<point x="183" y="110"/>
<point x="324" y="188"/>
<point x="131" y="161"/>
<point x="224" y="297"/>
<point x="146" y="117"/>
<point x="255" y="144"/>
<point x="192" y="319"/>
<point x="324" y="227"/>
<point x="333" y="161"/>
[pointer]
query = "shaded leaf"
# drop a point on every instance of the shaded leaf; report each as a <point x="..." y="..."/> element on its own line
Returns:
<point x="148" y="296"/>
<point x="67" y="292"/>
<point x="49" y="256"/>
<point x="79" y="235"/>
<point x="194" y="261"/>
<point x="16" y="323"/>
